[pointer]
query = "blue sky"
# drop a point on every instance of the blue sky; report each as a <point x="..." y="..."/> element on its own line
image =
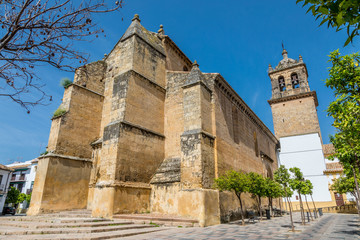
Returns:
<point x="235" y="38"/>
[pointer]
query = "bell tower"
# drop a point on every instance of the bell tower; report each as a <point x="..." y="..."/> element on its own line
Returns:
<point x="293" y="104"/>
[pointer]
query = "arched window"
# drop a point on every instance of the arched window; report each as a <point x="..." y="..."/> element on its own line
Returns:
<point x="295" y="80"/>
<point x="185" y="69"/>
<point x="281" y="83"/>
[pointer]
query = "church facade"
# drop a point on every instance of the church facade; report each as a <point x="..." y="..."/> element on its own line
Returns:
<point x="144" y="130"/>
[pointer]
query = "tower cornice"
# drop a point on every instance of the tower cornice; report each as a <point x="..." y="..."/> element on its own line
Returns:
<point x="271" y="72"/>
<point x="294" y="97"/>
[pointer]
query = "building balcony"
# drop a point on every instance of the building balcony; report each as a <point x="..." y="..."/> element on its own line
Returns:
<point x="18" y="179"/>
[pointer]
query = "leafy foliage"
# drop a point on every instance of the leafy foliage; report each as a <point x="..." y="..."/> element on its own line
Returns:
<point x="237" y="182"/>
<point x="12" y="196"/>
<point x="282" y="176"/>
<point x="257" y="188"/>
<point x="28" y="197"/>
<point x="59" y="112"/>
<point x="273" y="189"/>
<point x="339" y="14"/>
<point x="65" y="82"/>
<point x="344" y="79"/>
<point x="346" y="183"/>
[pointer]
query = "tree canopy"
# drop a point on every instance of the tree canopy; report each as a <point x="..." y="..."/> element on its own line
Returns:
<point x="344" y="79"/>
<point x="340" y="14"/>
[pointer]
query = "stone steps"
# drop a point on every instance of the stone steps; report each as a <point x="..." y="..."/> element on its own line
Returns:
<point x="55" y="220"/>
<point x="158" y="220"/>
<point x="27" y="224"/>
<point x="88" y="236"/>
<point x="75" y="230"/>
<point x="51" y="226"/>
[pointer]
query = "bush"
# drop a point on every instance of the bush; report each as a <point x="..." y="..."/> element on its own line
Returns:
<point x="44" y="153"/>
<point x="59" y="112"/>
<point x="65" y="82"/>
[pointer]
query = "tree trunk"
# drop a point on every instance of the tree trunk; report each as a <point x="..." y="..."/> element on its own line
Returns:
<point x="307" y="204"/>
<point x="291" y="219"/>
<point x="302" y="211"/>
<point x="241" y="210"/>
<point x="314" y="205"/>
<point x="280" y="203"/>
<point x="260" y="208"/>
<point x="271" y="206"/>
<point x="357" y="190"/>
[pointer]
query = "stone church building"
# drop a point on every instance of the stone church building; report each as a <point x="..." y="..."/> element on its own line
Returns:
<point x="146" y="131"/>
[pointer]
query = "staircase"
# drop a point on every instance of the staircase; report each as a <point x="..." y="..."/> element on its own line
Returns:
<point x="158" y="220"/>
<point x="76" y="224"/>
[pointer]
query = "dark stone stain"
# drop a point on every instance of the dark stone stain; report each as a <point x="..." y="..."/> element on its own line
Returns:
<point x="121" y="84"/>
<point x="189" y="142"/>
<point x="111" y="131"/>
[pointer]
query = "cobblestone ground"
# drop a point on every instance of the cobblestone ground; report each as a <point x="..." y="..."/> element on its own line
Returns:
<point x="329" y="226"/>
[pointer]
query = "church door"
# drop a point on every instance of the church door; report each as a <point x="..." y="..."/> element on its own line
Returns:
<point x="339" y="199"/>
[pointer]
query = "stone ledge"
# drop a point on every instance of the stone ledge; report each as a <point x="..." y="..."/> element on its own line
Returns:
<point x="65" y="157"/>
<point x="74" y="84"/>
<point x="198" y="131"/>
<point x="188" y="85"/>
<point x="107" y="184"/>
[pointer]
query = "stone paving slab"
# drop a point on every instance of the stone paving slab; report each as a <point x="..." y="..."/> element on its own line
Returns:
<point x="330" y="226"/>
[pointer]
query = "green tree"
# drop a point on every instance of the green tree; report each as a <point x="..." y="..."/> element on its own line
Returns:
<point x="272" y="190"/>
<point x="339" y="14"/>
<point x="298" y="184"/>
<point x="21" y="198"/>
<point x="282" y="176"/>
<point x="257" y="188"/>
<point x="28" y="198"/>
<point x="238" y="182"/>
<point x="344" y="79"/>
<point x="12" y="196"/>
<point x="346" y="184"/>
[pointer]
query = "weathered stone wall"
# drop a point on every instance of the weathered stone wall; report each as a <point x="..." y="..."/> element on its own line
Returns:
<point x="200" y="204"/>
<point x="80" y="125"/>
<point x="145" y="104"/>
<point x="132" y="199"/>
<point x="91" y="76"/>
<point x="174" y="113"/>
<point x="149" y="62"/>
<point x="176" y="60"/>
<point x="242" y="143"/>
<point x="61" y="184"/>
<point x="138" y="148"/>
<point x="294" y="117"/>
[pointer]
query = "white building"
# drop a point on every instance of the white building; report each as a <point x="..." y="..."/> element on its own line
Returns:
<point x="5" y="174"/>
<point x="23" y="177"/>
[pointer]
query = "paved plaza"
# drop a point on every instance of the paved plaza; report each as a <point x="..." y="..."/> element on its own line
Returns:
<point x="329" y="226"/>
<point x="80" y="225"/>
